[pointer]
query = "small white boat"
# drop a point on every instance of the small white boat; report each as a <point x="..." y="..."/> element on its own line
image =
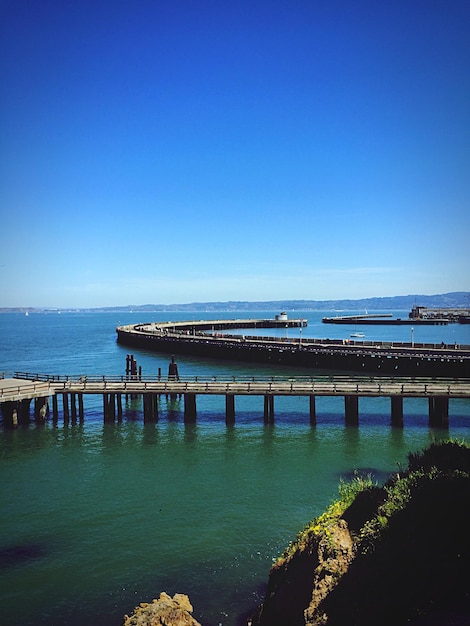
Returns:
<point x="357" y="334"/>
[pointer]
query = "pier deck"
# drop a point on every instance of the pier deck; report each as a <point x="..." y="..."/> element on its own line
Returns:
<point x="18" y="389"/>
<point x="16" y="393"/>
<point x="280" y="386"/>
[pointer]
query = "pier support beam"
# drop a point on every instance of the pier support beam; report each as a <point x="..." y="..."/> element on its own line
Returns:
<point x="269" y="409"/>
<point x="229" y="408"/>
<point x="15" y="412"/>
<point x="351" y="410"/>
<point x="150" y="407"/>
<point x="10" y="414"/>
<point x="189" y="407"/>
<point x="40" y="409"/>
<point x="156" y="400"/>
<point x="65" y="403"/>
<point x="397" y="411"/>
<point x="313" y="410"/>
<point x="55" y="407"/>
<point x="109" y="407"/>
<point x="439" y="412"/>
<point x="81" y="413"/>
<point x="119" y="406"/>
<point x="73" y="406"/>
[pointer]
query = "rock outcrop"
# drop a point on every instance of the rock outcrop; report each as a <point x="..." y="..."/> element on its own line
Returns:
<point x="164" y="611"/>
<point x="396" y="555"/>
<point x="382" y="555"/>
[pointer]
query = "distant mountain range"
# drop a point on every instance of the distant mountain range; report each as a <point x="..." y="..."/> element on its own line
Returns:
<point x="448" y="300"/>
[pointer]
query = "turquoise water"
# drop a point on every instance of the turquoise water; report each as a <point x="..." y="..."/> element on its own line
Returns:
<point x="97" y="518"/>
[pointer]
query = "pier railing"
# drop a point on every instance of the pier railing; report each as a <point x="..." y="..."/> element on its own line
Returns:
<point x="259" y="385"/>
<point x="16" y="392"/>
<point x="292" y="340"/>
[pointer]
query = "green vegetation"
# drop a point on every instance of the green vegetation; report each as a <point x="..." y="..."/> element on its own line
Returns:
<point x="321" y="526"/>
<point x="429" y="467"/>
<point x="384" y="554"/>
<point x="449" y="458"/>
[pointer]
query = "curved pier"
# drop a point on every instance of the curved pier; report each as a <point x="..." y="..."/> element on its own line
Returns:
<point x="378" y="358"/>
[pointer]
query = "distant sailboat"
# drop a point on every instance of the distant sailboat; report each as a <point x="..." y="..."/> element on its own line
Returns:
<point x="357" y="333"/>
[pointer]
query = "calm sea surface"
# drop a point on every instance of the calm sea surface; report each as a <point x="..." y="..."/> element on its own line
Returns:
<point x="97" y="518"/>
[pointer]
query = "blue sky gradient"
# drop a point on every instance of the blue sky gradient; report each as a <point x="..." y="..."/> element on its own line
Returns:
<point x="165" y="151"/>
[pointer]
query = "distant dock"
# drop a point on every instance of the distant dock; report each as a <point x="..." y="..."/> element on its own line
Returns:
<point x="383" y="320"/>
<point x="418" y="316"/>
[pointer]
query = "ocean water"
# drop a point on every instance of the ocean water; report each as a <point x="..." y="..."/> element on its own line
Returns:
<point x="96" y="518"/>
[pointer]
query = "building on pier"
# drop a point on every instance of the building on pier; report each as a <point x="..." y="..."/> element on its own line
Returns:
<point x="453" y="315"/>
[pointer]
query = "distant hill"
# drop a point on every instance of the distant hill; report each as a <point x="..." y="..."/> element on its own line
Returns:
<point x="453" y="299"/>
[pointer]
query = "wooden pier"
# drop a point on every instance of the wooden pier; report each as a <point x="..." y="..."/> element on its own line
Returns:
<point x="16" y="395"/>
<point x="23" y="387"/>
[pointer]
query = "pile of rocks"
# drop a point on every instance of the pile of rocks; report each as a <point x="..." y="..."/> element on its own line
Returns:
<point x="164" y="611"/>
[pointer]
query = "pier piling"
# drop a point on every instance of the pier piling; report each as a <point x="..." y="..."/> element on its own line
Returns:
<point x="40" y="409"/>
<point x="313" y="410"/>
<point x="150" y="402"/>
<point x="119" y="406"/>
<point x="269" y="409"/>
<point x="65" y="403"/>
<point x="397" y="411"/>
<point x="73" y="406"/>
<point x="439" y="412"/>
<point x="230" y="408"/>
<point x="55" y="407"/>
<point x="351" y="410"/>
<point x="109" y="407"/>
<point x="81" y="413"/>
<point x="189" y="407"/>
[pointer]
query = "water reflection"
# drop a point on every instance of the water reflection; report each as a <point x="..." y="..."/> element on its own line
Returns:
<point x="150" y="434"/>
<point x="190" y="433"/>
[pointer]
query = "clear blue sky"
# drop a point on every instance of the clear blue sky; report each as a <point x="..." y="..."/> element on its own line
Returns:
<point x="171" y="151"/>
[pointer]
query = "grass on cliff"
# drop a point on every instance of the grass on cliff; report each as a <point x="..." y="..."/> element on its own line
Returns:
<point x="368" y="508"/>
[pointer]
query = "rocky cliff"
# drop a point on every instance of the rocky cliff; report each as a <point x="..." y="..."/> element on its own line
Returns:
<point x="390" y="555"/>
